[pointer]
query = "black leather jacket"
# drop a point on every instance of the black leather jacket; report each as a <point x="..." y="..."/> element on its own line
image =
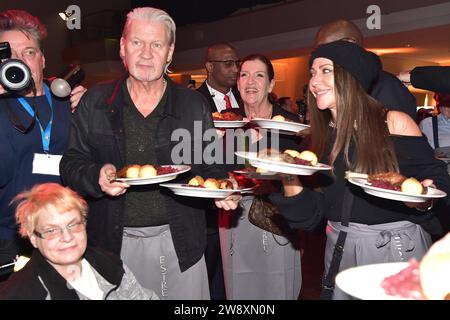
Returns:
<point x="97" y="137"/>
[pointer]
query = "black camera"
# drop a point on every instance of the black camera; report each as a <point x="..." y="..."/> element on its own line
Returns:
<point x="14" y="74"/>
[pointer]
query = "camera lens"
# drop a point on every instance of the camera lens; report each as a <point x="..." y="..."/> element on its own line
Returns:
<point x="14" y="75"/>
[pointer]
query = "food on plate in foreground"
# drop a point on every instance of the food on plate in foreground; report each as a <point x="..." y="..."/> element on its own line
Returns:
<point x="390" y="181"/>
<point x="210" y="183"/>
<point x="147" y="171"/>
<point x="304" y="158"/>
<point x="412" y="186"/>
<point x="135" y="171"/>
<point x="226" y="116"/>
<point x="279" y="118"/>
<point x="425" y="280"/>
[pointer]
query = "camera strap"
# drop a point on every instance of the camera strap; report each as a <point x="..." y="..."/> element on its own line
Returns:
<point x="45" y="133"/>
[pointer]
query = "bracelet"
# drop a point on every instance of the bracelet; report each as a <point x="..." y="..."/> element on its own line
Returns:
<point x="426" y="209"/>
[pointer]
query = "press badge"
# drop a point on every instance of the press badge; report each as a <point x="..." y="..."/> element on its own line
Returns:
<point x="46" y="164"/>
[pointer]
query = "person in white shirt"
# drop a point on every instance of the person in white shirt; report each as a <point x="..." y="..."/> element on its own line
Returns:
<point x="222" y="66"/>
<point x="440" y="139"/>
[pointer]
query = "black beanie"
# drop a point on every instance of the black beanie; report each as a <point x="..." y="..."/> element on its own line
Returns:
<point x="363" y="65"/>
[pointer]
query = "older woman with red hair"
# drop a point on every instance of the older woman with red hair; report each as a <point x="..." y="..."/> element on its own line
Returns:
<point x="63" y="267"/>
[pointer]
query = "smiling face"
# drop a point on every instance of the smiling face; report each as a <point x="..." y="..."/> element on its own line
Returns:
<point x="145" y="49"/>
<point x="64" y="250"/>
<point x="25" y="48"/>
<point x="253" y="83"/>
<point x="321" y="84"/>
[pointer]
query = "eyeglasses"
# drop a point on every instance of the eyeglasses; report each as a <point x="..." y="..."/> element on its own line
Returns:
<point x="57" y="232"/>
<point x="229" y="63"/>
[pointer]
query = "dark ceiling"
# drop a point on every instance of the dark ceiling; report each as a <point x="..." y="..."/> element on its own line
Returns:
<point x="197" y="11"/>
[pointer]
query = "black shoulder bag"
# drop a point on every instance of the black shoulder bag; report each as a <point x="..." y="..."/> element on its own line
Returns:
<point x="328" y="282"/>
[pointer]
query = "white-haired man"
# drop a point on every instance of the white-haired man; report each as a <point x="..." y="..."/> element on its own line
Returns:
<point x="161" y="237"/>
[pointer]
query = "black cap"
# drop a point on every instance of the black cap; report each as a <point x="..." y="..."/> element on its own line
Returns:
<point x="362" y="64"/>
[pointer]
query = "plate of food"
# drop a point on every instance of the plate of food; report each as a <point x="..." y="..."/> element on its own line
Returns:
<point x="149" y="174"/>
<point x="257" y="173"/>
<point x="203" y="188"/>
<point x="280" y="123"/>
<point x="413" y="280"/>
<point x="288" y="162"/>
<point x="228" y="119"/>
<point x="364" y="282"/>
<point x="394" y="186"/>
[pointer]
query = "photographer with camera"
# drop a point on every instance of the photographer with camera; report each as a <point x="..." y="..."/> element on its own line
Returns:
<point x="34" y="125"/>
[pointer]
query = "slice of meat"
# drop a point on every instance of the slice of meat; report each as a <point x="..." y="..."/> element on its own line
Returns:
<point x="393" y="178"/>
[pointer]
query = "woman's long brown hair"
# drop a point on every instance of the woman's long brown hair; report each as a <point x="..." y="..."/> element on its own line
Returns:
<point x="361" y="120"/>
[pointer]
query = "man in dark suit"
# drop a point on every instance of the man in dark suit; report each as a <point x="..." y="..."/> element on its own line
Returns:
<point x="222" y="67"/>
<point x="387" y="90"/>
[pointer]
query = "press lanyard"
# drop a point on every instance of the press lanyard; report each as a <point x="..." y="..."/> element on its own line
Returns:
<point x="45" y="134"/>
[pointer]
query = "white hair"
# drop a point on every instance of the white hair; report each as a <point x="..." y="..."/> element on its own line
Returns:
<point x="151" y="15"/>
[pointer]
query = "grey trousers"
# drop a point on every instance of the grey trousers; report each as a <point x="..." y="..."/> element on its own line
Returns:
<point x="369" y="244"/>
<point x="256" y="264"/>
<point x="151" y="256"/>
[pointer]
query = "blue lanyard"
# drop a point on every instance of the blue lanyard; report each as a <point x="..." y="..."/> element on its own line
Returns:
<point x="45" y="134"/>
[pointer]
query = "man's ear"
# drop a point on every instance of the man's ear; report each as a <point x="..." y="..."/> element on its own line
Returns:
<point x="122" y="47"/>
<point x="209" y="66"/>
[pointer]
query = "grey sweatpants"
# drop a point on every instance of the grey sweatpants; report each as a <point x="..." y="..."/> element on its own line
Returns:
<point x="256" y="264"/>
<point x="151" y="256"/>
<point x="380" y="243"/>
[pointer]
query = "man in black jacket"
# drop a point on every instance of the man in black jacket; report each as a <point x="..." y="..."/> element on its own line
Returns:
<point x="433" y="78"/>
<point x="161" y="237"/>
<point x="387" y="90"/>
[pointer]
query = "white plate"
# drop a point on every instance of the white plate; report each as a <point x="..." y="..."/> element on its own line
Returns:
<point x="283" y="167"/>
<point x="364" y="282"/>
<point x="396" y="195"/>
<point x="230" y="124"/>
<point x="184" y="190"/>
<point x="156" y="179"/>
<point x="280" y="125"/>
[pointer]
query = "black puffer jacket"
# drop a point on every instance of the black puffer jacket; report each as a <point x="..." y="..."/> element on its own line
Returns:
<point x="97" y="137"/>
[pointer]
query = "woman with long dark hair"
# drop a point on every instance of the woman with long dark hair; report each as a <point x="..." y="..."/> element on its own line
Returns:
<point x="352" y="131"/>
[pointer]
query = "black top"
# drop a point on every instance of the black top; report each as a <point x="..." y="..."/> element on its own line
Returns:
<point x="144" y="204"/>
<point x="39" y="278"/>
<point x="416" y="159"/>
<point x="434" y="78"/>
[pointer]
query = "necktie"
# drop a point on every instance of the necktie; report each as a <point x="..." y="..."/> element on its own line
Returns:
<point x="227" y="102"/>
